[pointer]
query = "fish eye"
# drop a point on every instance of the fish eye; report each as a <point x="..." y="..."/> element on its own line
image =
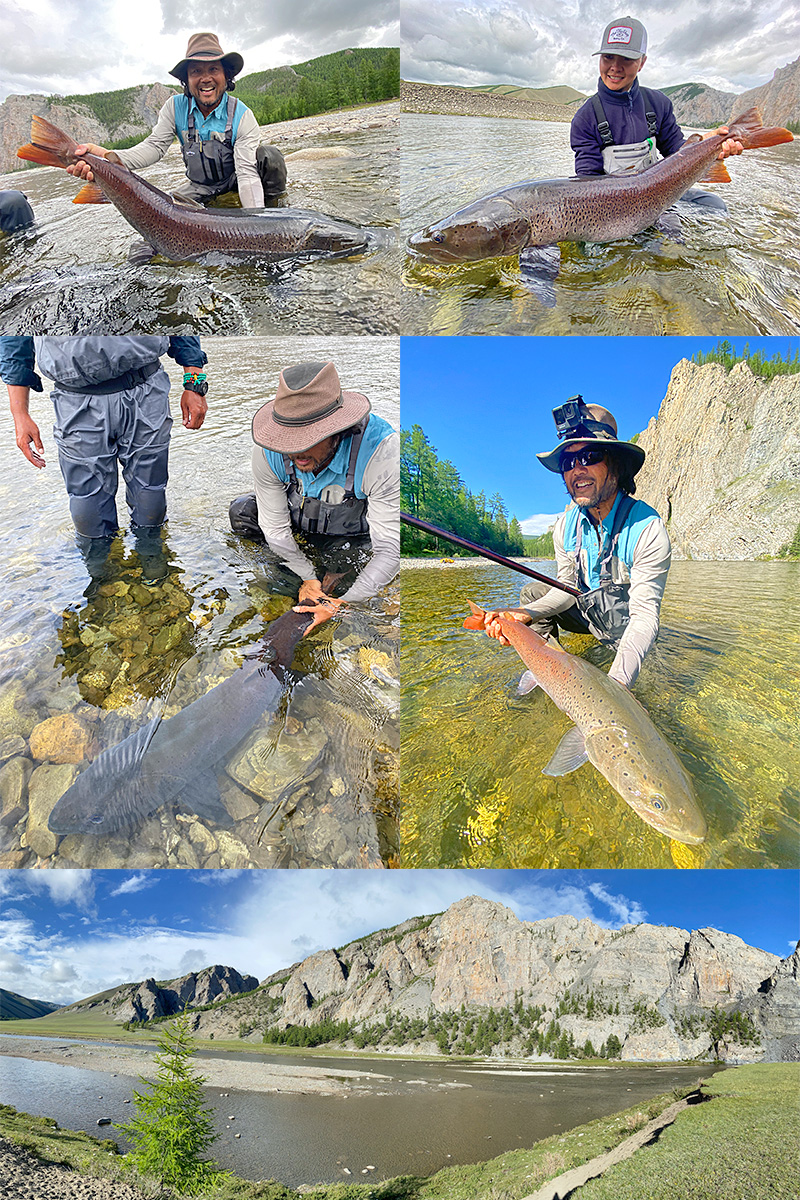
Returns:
<point x="437" y="237"/>
<point x="657" y="804"/>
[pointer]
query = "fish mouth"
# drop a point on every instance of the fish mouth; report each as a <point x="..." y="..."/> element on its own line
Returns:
<point x="422" y="245"/>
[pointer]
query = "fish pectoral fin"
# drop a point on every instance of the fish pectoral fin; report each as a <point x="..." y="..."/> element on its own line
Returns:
<point x="527" y="684"/>
<point x="570" y="754"/>
<point x="201" y="793"/>
<point x="539" y="266"/>
<point x="185" y="202"/>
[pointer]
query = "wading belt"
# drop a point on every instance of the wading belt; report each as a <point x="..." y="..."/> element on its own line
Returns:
<point x="120" y="383"/>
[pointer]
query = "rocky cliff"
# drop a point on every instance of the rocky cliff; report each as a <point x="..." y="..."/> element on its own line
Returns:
<point x="148" y="999"/>
<point x="655" y="992"/>
<point x="77" y="120"/>
<point x="723" y="462"/>
<point x="703" y="107"/>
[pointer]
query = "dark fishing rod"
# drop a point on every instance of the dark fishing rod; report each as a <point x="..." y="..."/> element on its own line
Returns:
<point x="426" y="527"/>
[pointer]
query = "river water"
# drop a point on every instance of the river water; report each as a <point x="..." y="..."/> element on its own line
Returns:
<point x="722" y="685"/>
<point x="424" y="1116"/>
<point x="332" y="747"/>
<point x="71" y="275"/>
<point x="738" y="274"/>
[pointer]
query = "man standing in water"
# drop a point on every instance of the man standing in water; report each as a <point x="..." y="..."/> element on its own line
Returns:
<point x="326" y="470"/>
<point x="219" y="136"/>
<point x="624" y="127"/>
<point x="613" y="548"/>
<point x="111" y="400"/>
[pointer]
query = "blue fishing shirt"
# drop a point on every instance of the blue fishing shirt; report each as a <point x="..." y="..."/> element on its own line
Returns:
<point x="335" y="474"/>
<point x="638" y="518"/>
<point x="215" y="122"/>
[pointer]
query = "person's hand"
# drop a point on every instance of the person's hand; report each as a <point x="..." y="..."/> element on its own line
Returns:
<point x="29" y="439"/>
<point x="728" y="147"/>
<point x="194" y="409"/>
<point x="322" y="611"/>
<point x="311" y="590"/>
<point x="81" y="168"/>
<point x="491" y="622"/>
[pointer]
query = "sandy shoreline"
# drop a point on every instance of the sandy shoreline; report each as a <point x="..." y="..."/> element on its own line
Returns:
<point x="228" y="1073"/>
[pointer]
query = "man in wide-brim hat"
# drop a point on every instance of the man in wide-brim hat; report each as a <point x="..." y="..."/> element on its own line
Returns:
<point x="218" y="134"/>
<point x="613" y="548"/>
<point x="326" y="470"/>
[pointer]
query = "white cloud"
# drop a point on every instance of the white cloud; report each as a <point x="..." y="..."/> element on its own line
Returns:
<point x="136" y="883"/>
<point x="538" y="523"/>
<point x="628" y="912"/>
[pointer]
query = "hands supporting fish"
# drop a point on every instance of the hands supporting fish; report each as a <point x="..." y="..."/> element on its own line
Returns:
<point x="729" y="147"/>
<point x="82" y="169"/>
<point x="313" y="599"/>
<point x="491" y="622"/>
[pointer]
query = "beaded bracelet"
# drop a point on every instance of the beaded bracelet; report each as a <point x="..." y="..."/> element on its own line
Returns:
<point x="194" y="377"/>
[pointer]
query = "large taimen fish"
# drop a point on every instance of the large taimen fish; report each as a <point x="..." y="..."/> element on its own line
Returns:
<point x="602" y="208"/>
<point x="181" y="231"/>
<point x="611" y="730"/>
<point x="167" y="759"/>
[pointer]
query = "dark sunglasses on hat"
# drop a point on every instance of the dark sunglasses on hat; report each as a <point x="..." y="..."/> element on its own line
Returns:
<point x="587" y="457"/>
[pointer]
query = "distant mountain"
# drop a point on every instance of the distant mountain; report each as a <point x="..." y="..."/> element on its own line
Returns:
<point x="477" y="980"/>
<point x="704" y="107"/>
<point x="20" y="1008"/>
<point x="548" y="95"/>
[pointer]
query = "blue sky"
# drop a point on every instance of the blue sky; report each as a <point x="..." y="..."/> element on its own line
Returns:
<point x="67" y="934"/>
<point x="486" y="403"/>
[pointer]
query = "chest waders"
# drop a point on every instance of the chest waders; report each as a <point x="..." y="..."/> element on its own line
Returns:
<point x="312" y="515"/>
<point x="605" y="608"/>
<point x="210" y="163"/>
<point x="632" y="157"/>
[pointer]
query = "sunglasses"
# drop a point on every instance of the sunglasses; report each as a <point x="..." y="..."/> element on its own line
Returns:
<point x="586" y="457"/>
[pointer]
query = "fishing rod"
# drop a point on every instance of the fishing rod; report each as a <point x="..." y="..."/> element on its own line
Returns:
<point x="426" y="527"/>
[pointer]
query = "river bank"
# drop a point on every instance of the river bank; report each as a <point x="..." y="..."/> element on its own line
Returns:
<point x="739" y="1143"/>
<point x="463" y="102"/>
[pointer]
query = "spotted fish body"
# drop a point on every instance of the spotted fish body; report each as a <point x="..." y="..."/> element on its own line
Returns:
<point x="177" y="758"/>
<point x="612" y="731"/>
<point x="601" y="208"/>
<point x="181" y="232"/>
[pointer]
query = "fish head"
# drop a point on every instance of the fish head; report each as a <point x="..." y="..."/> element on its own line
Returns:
<point x="486" y="229"/>
<point x="88" y="806"/>
<point x="651" y="779"/>
<point x="337" y="237"/>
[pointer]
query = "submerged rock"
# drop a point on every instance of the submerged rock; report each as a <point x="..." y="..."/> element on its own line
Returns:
<point x="62" y="739"/>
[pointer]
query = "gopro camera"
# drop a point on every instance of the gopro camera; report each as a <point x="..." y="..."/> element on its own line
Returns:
<point x="573" y="418"/>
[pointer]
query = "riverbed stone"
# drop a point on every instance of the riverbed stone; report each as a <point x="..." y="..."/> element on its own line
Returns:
<point x="17" y="716"/>
<point x="61" y="739"/>
<point x="294" y="756"/>
<point x="232" y="851"/>
<point x="14" y="776"/>
<point x="46" y="786"/>
<point x="12" y="745"/>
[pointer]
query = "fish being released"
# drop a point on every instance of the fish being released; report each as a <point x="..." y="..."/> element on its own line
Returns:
<point x="180" y="229"/>
<point x="611" y="730"/>
<point x="167" y="759"/>
<point x="596" y="208"/>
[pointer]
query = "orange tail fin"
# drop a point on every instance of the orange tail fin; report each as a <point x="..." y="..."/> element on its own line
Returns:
<point x="716" y="173"/>
<point x="90" y="193"/>
<point x="51" y="147"/>
<point x="476" y="620"/>
<point x="748" y="130"/>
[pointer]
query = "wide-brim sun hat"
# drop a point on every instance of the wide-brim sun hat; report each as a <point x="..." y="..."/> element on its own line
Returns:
<point x="309" y="406"/>
<point x="204" y="48"/>
<point x="605" y="432"/>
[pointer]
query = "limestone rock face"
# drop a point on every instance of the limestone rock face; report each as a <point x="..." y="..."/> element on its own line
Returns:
<point x="723" y="462"/>
<point x="702" y="107"/>
<point x="718" y="969"/>
<point x="776" y="1009"/>
<point x="148" y="999"/>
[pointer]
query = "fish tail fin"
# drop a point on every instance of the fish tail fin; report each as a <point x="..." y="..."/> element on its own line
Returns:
<point x="90" y="193"/>
<point x="476" y="620"/>
<point x="716" y="173"/>
<point x="748" y="129"/>
<point x="50" y="147"/>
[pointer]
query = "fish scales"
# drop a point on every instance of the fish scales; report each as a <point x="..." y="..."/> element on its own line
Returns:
<point x="601" y="208"/>
<point x="619" y="738"/>
<point x="182" y="231"/>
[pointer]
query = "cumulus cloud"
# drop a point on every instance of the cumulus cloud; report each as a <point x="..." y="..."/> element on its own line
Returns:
<point x="628" y="912"/>
<point x="538" y="523"/>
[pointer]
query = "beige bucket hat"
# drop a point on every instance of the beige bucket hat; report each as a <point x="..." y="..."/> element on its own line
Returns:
<point x="603" y="428"/>
<point x="309" y="406"/>
<point x="203" y="48"/>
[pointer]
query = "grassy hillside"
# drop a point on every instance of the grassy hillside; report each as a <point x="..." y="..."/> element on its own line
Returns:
<point x="14" y="1007"/>
<point x="562" y="94"/>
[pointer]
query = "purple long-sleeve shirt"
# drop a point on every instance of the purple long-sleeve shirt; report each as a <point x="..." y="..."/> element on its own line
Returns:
<point x="625" y="113"/>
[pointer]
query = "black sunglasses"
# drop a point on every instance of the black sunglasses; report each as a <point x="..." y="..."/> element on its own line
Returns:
<point x="587" y="457"/>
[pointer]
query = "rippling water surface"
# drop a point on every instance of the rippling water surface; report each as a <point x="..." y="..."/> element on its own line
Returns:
<point x="71" y="275"/>
<point x="722" y="685"/>
<point x="412" y="1118"/>
<point x="114" y="654"/>
<point x="738" y="274"/>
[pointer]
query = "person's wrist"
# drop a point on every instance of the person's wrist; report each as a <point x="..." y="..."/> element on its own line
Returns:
<point x="195" y="381"/>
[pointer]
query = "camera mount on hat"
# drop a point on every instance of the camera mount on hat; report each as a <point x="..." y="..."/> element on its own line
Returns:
<point x="574" y="420"/>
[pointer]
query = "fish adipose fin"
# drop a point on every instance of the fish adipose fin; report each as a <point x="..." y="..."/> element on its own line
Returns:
<point x="202" y="795"/>
<point x="539" y="267"/>
<point x="570" y="754"/>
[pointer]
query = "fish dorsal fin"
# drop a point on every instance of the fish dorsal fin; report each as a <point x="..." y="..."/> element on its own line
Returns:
<point x="570" y="754"/>
<point x="185" y="202"/>
<point x="90" y="193"/>
<point x="716" y="173"/>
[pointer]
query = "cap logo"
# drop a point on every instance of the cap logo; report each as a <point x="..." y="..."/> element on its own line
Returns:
<point x="620" y="35"/>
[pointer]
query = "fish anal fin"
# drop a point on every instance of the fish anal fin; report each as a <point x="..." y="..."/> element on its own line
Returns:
<point x="716" y="173"/>
<point x="570" y="754"/>
<point x="539" y="267"/>
<point x="527" y="684"/>
<point x="201" y="793"/>
<point x="90" y="193"/>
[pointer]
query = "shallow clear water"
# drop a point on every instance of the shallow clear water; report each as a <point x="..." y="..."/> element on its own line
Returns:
<point x="423" y="1117"/>
<point x="722" y="685"/>
<point x="71" y="275"/>
<point x="64" y="645"/>
<point x="735" y="275"/>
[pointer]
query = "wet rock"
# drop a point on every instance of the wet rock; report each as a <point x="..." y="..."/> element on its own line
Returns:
<point x="11" y="746"/>
<point x="14" y="778"/>
<point x="46" y="786"/>
<point x="369" y="658"/>
<point x="294" y="757"/>
<point x="128" y="626"/>
<point x="169" y="636"/>
<point x="239" y="804"/>
<point x="142" y="595"/>
<point x="201" y="837"/>
<point x="16" y="714"/>
<point x="11" y="860"/>
<point x="232" y="851"/>
<point x="187" y="855"/>
<point x="61" y="739"/>
<point x="95" y="852"/>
